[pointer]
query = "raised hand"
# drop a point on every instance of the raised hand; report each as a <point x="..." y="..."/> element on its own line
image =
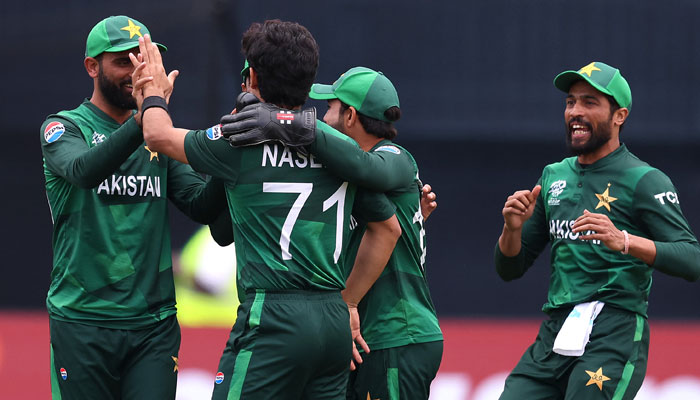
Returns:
<point x="149" y="63"/>
<point x="428" y="202"/>
<point x="519" y="207"/>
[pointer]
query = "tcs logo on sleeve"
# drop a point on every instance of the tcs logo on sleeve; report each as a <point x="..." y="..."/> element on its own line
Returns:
<point x="667" y="197"/>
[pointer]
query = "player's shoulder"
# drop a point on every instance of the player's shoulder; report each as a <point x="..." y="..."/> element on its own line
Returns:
<point x="67" y="118"/>
<point x="56" y="125"/>
<point x="567" y="164"/>
<point x="640" y="171"/>
<point x="389" y="147"/>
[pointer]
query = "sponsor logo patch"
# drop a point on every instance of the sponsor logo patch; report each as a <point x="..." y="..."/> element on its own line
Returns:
<point x="667" y="197"/>
<point x="285" y="117"/>
<point x="214" y="132"/>
<point x="64" y="374"/>
<point x="53" y="131"/>
<point x="219" y="378"/>
<point x="390" y="149"/>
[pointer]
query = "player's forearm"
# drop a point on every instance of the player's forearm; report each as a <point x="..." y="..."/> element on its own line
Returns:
<point x="207" y="205"/>
<point x="510" y="241"/>
<point x="372" y="256"/>
<point x="642" y="248"/>
<point x="89" y="168"/>
<point x="373" y="170"/>
<point x="221" y="229"/>
<point x="509" y="267"/>
<point x="161" y="136"/>
<point x="681" y="259"/>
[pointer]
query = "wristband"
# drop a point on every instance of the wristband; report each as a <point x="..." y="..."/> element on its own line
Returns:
<point x="154" y="101"/>
<point x="626" y="250"/>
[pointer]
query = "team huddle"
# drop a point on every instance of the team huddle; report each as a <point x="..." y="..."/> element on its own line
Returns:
<point x="327" y="218"/>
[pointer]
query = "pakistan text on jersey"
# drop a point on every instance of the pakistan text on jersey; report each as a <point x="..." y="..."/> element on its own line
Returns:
<point x="132" y="186"/>
<point x="559" y="229"/>
<point x="287" y="158"/>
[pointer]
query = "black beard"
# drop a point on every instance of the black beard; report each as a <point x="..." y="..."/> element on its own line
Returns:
<point x="114" y="93"/>
<point x="600" y="134"/>
<point x="338" y="126"/>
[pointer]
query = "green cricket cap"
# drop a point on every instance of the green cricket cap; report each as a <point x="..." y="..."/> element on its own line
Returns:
<point x="601" y="76"/>
<point x="369" y="91"/>
<point x="115" y="34"/>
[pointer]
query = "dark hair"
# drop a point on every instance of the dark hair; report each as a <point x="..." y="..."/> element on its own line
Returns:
<point x="285" y="57"/>
<point x="378" y="128"/>
<point x="614" y="106"/>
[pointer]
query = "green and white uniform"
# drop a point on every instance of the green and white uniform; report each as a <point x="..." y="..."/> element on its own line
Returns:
<point x="111" y="241"/>
<point x="397" y="311"/>
<point x="291" y="223"/>
<point x="637" y="198"/>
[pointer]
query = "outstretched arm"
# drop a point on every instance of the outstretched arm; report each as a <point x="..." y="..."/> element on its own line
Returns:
<point x="70" y="156"/>
<point x="379" y="171"/>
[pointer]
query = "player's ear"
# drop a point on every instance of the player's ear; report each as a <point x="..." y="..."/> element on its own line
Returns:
<point x="350" y="117"/>
<point x="252" y="79"/>
<point x="620" y="115"/>
<point x="92" y="66"/>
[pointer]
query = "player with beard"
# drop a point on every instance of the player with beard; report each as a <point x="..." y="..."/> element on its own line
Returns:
<point x="611" y="220"/>
<point x="111" y="303"/>
<point x="398" y="319"/>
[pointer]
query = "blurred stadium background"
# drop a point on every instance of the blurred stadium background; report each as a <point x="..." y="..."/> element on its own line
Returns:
<point x="481" y="117"/>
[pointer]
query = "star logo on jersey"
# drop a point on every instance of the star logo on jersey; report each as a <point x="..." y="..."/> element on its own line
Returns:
<point x="154" y="154"/>
<point x="597" y="378"/>
<point x="175" y="361"/>
<point x="133" y="29"/>
<point x="370" y="398"/>
<point x="588" y="69"/>
<point x="604" y="199"/>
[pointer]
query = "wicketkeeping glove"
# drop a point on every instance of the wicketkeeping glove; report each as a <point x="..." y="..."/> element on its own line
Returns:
<point x="263" y="122"/>
<point x="245" y="99"/>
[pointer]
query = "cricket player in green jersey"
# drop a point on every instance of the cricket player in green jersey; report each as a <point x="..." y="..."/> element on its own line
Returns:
<point x="611" y="220"/>
<point x="397" y="316"/>
<point x="111" y="302"/>
<point x="292" y="337"/>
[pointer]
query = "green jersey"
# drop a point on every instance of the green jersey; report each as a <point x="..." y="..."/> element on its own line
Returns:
<point x="290" y="215"/>
<point x="637" y="198"/>
<point x="398" y="310"/>
<point x="111" y="241"/>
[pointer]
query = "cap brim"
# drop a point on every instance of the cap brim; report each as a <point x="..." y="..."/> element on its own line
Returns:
<point x="130" y="46"/>
<point x="564" y="81"/>
<point x="322" y="92"/>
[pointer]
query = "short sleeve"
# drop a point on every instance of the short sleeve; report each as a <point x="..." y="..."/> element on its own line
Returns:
<point x="372" y="206"/>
